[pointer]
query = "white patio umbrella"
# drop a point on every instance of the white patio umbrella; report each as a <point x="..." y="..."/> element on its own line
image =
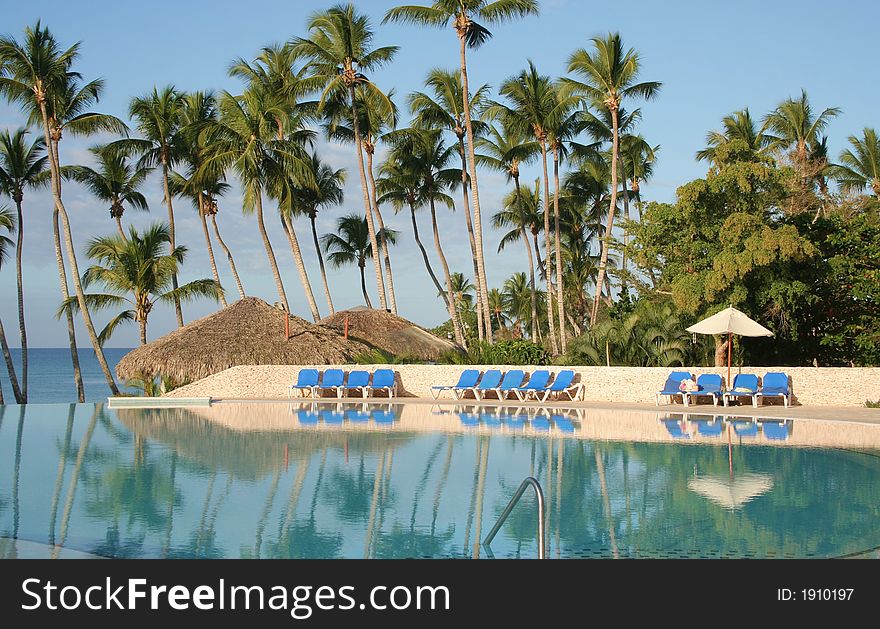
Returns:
<point x="731" y="493"/>
<point x="729" y="321"/>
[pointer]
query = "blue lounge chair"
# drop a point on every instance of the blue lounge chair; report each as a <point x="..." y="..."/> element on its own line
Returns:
<point x="775" y="384"/>
<point x="331" y="380"/>
<point x="671" y="387"/>
<point x="466" y="381"/>
<point x="711" y="385"/>
<point x="306" y="381"/>
<point x="332" y="417"/>
<point x="307" y="417"/>
<point x="357" y="380"/>
<point x="537" y="382"/>
<point x="563" y="384"/>
<point x="515" y="421"/>
<point x="673" y="427"/>
<point x="745" y="428"/>
<point x="356" y="416"/>
<point x="491" y="420"/>
<point x="469" y="419"/>
<point x="383" y="380"/>
<point x="541" y="423"/>
<point x="489" y="382"/>
<point x="564" y="424"/>
<point x="777" y="431"/>
<point x="744" y="385"/>
<point x="382" y="417"/>
<point x="510" y="382"/>
<point x="710" y="428"/>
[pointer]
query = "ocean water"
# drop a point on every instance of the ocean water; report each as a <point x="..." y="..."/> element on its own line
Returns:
<point x="50" y="374"/>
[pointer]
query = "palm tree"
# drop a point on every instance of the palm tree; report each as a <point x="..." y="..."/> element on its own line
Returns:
<point x="859" y="166"/>
<point x="376" y="119"/>
<point x="461" y="15"/>
<point x="534" y="108"/>
<point x="22" y="165"/>
<point x="798" y="128"/>
<point x="7" y="222"/>
<point x="609" y="76"/>
<point x="496" y="303"/>
<point x="737" y="126"/>
<point x="37" y="75"/>
<point x="516" y="297"/>
<point x="245" y="140"/>
<point x="351" y="245"/>
<point x="505" y="151"/>
<point x="159" y="120"/>
<point x="138" y="276"/>
<point x="636" y="161"/>
<point x="462" y="291"/>
<point x="442" y="109"/>
<point x="338" y="55"/>
<point x="115" y="181"/>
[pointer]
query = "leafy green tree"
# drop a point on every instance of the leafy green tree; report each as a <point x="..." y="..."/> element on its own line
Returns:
<point x="22" y="166"/>
<point x="7" y="223"/>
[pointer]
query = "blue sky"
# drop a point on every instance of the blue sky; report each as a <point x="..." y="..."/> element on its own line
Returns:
<point x="712" y="58"/>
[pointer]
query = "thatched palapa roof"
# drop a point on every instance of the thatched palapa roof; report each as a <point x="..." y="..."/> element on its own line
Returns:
<point x="249" y="332"/>
<point x="390" y="333"/>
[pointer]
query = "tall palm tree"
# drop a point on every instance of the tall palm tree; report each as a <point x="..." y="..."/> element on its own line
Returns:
<point x="609" y="74"/>
<point x="463" y="291"/>
<point x="138" y="276"/>
<point x="796" y="127"/>
<point x="516" y="296"/>
<point x="159" y="119"/>
<point x="505" y="151"/>
<point x="533" y="107"/>
<point x="859" y="166"/>
<point x="351" y="245"/>
<point x="115" y="181"/>
<point x="326" y="193"/>
<point x="22" y="165"/>
<point x="496" y="303"/>
<point x="37" y="74"/>
<point x="7" y="223"/>
<point x="245" y="140"/>
<point x="737" y="126"/>
<point x="338" y="54"/>
<point x="462" y="16"/>
<point x="443" y="109"/>
<point x="376" y="120"/>
<point x="636" y="158"/>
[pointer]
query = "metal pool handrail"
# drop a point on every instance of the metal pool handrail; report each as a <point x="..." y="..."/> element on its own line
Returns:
<point x="529" y="481"/>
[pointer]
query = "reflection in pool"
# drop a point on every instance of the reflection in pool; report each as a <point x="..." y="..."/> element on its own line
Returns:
<point x="328" y="480"/>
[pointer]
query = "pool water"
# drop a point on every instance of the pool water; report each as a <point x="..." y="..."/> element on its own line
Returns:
<point x="415" y="480"/>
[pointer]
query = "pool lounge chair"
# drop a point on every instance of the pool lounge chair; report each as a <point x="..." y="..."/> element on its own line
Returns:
<point x="489" y="382"/>
<point x="466" y="381"/>
<point x="357" y="379"/>
<point x="745" y="428"/>
<point x="306" y="381"/>
<point x="563" y="384"/>
<point x="307" y="416"/>
<point x="673" y="427"/>
<point x="383" y="380"/>
<point x="775" y="384"/>
<point x="709" y="427"/>
<point x="331" y="380"/>
<point x="511" y="382"/>
<point x="744" y="385"/>
<point x="775" y="431"/>
<point x="537" y="382"/>
<point x="671" y="387"/>
<point x="711" y="385"/>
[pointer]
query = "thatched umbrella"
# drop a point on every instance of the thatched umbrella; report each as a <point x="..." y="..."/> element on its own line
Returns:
<point x="249" y="332"/>
<point x="390" y="333"/>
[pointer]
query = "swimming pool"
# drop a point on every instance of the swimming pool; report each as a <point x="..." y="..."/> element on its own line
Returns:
<point x="415" y="480"/>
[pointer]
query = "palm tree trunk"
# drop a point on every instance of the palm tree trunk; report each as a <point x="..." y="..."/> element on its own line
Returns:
<point x="270" y="253"/>
<point x="321" y="263"/>
<point x="625" y="232"/>
<point x="204" y="221"/>
<point x="548" y="271"/>
<point x="525" y="237"/>
<point x="483" y="292"/>
<point x="22" y="332"/>
<point x="371" y="228"/>
<point x="453" y="310"/>
<point x="172" y="243"/>
<point x="2" y="401"/>
<point x="560" y="288"/>
<point x="228" y="256"/>
<point x="300" y="265"/>
<point x="142" y="326"/>
<point x="383" y="241"/>
<point x="55" y="173"/>
<point x="68" y="314"/>
<point x="59" y="477"/>
<point x="481" y="323"/>
<point x="361" y="266"/>
<point x="10" y="366"/>
<point x="415" y="225"/>
<point x="119" y="228"/>
<point x="606" y="242"/>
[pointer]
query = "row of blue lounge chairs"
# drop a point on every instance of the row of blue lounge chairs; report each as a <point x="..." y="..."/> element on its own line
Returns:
<point x="337" y="381"/>
<point x="513" y="382"/>
<point x="774" y="430"/>
<point x="745" y="385"/>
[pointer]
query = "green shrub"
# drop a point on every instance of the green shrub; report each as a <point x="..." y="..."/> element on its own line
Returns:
<point x="510" y="352"/>
<point x="871" y="404"/>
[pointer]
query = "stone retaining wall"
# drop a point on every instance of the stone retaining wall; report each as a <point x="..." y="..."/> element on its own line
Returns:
<point x="811" y="386"/>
